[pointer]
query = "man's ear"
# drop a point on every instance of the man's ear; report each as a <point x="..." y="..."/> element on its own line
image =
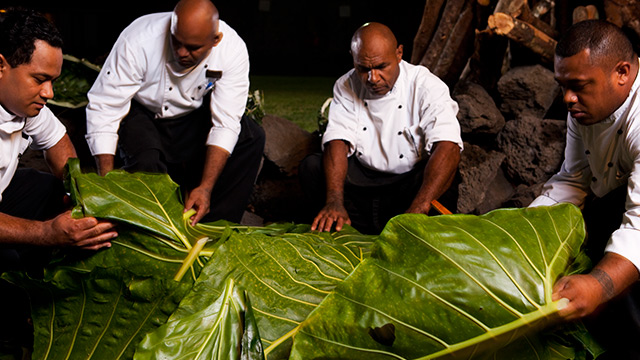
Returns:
<point x="217" y="38"/>
<point x="399" y="53"/>
<point x="623" y="72"/>
<point x="3" y="65"/>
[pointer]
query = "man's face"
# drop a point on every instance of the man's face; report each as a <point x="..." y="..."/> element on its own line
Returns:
<point x="190" y="43"/>
<point x="590" y="90"/>
<point x="25" y="89"/>
<point x="376" y="64"/>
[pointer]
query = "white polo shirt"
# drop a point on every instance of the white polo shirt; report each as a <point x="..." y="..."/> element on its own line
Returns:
<point x="393" y="132"/>
<point x="16" y="134"/>
<point x="141" y="66"/>
<point x="599" y="158"/>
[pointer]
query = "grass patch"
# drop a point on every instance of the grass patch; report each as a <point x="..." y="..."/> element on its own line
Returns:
<point x="294" y="98"/>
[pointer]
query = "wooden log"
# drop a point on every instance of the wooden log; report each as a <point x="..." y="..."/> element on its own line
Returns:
<point x="524" y="34"/>
<point x="511" y="7"/>
<point x="582" y="13"/>
<point x="624" y="13"/>
<point x="533" y="18"/>
<point x="458" y="47"/>
<point x="485" y="65"/>
<point x="519" y="9"/>
<point x="448" y="20"/>
<point x="427" y="28"/>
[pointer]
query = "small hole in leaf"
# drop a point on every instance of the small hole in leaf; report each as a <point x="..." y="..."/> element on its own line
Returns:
<point x="385" y="335"/>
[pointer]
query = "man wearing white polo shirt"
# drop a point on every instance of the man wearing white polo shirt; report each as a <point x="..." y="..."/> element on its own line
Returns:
<point x="392" y="143"/>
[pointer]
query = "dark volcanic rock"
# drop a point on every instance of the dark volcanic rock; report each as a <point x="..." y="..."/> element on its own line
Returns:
<point x="527" y="91"/>
<point x="534" y="148"/>
<point x="478" y="112"/>
<point x="477" y="169"/>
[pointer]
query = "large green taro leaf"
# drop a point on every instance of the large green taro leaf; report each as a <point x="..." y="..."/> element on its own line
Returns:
<point x="287" y="276"/>
<point x="151" y="202"/>
<point x="225" y="329"/>
<point x="98" y="315"/>
<point x="448" y="286"/>
<point x="137" y="251"/>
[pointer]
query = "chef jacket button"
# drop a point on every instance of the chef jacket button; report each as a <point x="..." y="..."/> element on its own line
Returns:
<point x="399" y="132"/>
<point x="108" y="72"/>
<point x="365" y="104"/>
<point x="401" y="156"/>
<point x="610" y="164"/>
<point x="170" y="88"/>
<point x="594" y="179"/>
<point x="359" y="153"/>
<point x="166" y="108"/>
<point x="199" y="87"/>
<point x="619" y="131"/>
<point x="587" y="152"/>
<point x="399" y="106"/>
<point x="206" y="66"/>
<point x="192" y="98"/>
<point x="364" y="128"/>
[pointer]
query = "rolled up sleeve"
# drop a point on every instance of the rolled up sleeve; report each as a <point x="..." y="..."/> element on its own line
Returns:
<point x="229" y="99"/>
<point x="110" y="96"/>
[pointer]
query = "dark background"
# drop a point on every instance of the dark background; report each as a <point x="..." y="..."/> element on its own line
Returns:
<point x="284" y="37"/>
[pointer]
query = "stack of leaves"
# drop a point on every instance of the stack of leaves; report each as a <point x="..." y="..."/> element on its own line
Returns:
<point x="427" y="287"/>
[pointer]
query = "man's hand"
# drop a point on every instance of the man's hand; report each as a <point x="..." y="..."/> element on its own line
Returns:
<point x="610" y="277"/>
<point x="86" y="233"/>
<point x="332" y="213"/>
<point x="584" y="293"/>
<point x="198" y="199"/>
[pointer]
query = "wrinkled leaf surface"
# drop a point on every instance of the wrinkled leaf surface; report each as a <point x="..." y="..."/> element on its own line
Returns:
<point x="225" y="329"/>
<point x="451" y="286"/>
<point x="99" y="315"/>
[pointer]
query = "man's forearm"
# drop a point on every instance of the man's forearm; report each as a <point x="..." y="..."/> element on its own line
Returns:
<point x="57" y="155"/>
<point x="335" y="165"/>
<point x="438" y="175"/>
<point x="104" y="162"/>
<point x="18" y="231"/>
<point x="215" y="161"/>
<point x="615" y="274"/>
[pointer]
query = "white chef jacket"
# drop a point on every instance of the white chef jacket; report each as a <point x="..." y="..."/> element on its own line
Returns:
<point x="141" y="66"/>
<point x="393" y="132"/>
<point x="599" y="158"/>
<point x="17" y="133"/>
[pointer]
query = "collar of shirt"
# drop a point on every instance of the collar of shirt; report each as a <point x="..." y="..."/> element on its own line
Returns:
<point x="10" y="123"/>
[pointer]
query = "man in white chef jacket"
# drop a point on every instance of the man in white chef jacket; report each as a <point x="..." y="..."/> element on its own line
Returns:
<point x="170" y="98"/>
<point x="598" y="71"/>
<point x="392" y="143"/>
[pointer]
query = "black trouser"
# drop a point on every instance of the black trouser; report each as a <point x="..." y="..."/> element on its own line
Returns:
<point x="36" y="196"/>
<point x="32" y="195"/>
<point x="370" y="197"/>
<point x="178" y="146"/>
<point x="617" y="325"/>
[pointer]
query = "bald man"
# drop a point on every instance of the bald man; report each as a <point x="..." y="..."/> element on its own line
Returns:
<point x="392" y="143"/>
<point x="598" y="71"/>
<point x="171" y="98"/>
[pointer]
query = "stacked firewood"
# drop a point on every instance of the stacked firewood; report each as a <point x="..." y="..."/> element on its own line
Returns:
<point x="497" y="57"/>
<point x="458" y="33"/>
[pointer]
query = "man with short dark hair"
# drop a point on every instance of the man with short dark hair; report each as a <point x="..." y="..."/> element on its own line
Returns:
<point x="171" y="97"/>
<point x="598" y="71"/>
<point x="392" y="143"/>
<point x="31" y="201"/>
